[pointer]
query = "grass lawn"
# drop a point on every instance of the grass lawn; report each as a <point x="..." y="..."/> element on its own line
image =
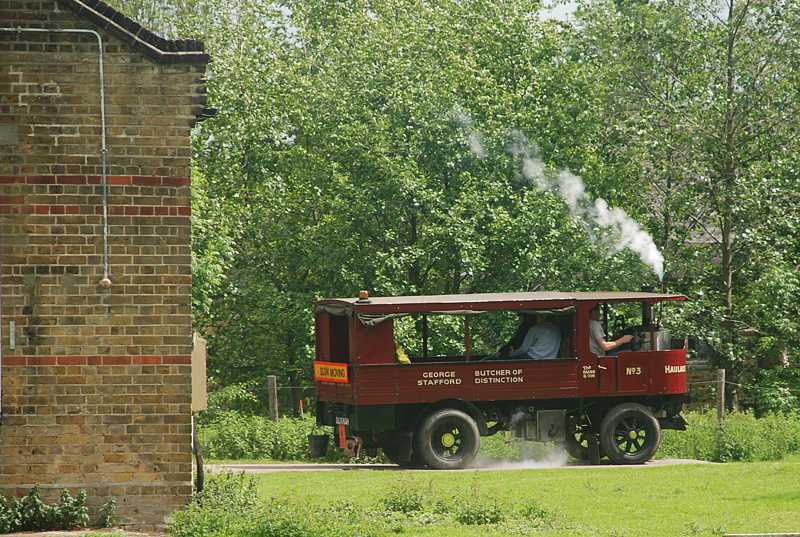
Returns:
<point x="658" y="501"/>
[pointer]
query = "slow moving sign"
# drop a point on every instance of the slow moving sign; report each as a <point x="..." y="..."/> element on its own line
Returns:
<point x="330" y="372"/>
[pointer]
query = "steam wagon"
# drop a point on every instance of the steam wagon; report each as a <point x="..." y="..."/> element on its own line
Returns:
<point x="387" y="378"/>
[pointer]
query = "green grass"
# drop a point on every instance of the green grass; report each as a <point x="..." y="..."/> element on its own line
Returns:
<point x="657" y="501"/>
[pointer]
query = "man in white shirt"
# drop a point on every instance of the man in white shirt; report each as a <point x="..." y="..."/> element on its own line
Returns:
<point x="597" y="343"/>
<point x="535" y="339"/>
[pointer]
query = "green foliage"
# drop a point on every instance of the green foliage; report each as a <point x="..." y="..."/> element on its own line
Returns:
<point x="365" y="145"/>
<point x="225" y="500"/>
<point x="778" y="390"/>
<point x="106" y="514"/>
<point x="475" y="513"/>
<point x="742" y="438"/>
<point x="229" y="507"/>
<point x="238" y="397"/>
<point x="537" y="514"/>
<point x="404" y="500"/>
<point x="30" y="513"/>
<point x="234" y="435"/>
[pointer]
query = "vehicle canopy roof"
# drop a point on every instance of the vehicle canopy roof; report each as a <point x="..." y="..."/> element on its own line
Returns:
<point x="466" y="303"/>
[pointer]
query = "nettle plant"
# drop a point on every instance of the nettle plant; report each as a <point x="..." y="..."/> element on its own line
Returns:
<point x="31" y="513"/>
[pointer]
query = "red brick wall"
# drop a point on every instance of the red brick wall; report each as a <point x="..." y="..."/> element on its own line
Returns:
<point x="97" y="391"/>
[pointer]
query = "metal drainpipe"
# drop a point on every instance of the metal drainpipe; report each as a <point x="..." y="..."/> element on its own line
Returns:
<point x="105" y="282"/>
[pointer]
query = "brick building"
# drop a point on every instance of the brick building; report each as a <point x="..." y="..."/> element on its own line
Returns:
<point x="95" y="317"/>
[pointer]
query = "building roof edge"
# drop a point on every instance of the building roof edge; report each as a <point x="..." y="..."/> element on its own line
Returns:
<point x="156" y="47"/>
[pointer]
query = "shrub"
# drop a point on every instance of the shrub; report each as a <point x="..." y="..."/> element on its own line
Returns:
<point x="742" y="438"/>
<point x="106" y="515"/>
<point x="227" y="501"/>
<point x="473" y="513"/>
<point x="233" y="435"/>
<point x="233" y="397"/>
<point x="404" y="500"/>
<point x="535" y="512"/>
<point x="229" y="507"/>
<point x="778" y="390"/>
<point x="31" y="513"/>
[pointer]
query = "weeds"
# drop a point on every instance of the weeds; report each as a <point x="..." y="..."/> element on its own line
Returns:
<point x="31" y="513"/>
<point x="107" y="513"/>
<point x="473" y="513"/>
<point x="404" y="500"/>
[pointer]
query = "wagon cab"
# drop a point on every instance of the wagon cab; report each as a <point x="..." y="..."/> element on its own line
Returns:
<point x="424" y="377"/>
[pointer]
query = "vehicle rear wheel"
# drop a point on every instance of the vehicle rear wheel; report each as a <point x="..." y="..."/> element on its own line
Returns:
<point x="630" y="434"/>
<point x="447" y="439"/>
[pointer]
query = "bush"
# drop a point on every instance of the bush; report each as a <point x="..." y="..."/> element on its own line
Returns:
<point x="742" y="438"/>
<point x="226" y="501"/>
<point x="107" y="513"/>
<point x="31" y="513"/>
<point x="404" y="500"/>
<point x="229" y="507"/>
<point x="233" y="435"/>
<point x="474" y="513"/>
<point x="233" y="397"/>
<point x="777" y="391"/>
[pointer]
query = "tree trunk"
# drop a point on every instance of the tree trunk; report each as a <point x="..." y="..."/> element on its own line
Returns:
<point x="727" y="195"/>
<point x="294" y="391"/>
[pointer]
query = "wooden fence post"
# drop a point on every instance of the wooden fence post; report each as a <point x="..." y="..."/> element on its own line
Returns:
<point x="272" y="396"/>
<point x="720" y="396"/>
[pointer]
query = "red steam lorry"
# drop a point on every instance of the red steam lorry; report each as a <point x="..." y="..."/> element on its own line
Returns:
<point x="424" y="409"/>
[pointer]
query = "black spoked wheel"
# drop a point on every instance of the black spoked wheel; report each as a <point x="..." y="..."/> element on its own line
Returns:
<point x="577" y="439"/>
<point x="447" y="439"/>
<point x="630" y="434"/>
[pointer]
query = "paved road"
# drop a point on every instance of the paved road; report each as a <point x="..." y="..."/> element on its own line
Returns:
<point x="270" y="468"/>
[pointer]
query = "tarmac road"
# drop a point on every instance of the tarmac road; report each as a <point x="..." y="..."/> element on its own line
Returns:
<point x="271" y="468"/>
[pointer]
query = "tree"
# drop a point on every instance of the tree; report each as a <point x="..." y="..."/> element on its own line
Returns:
<point x="700" y="101"/>
<point x="363" y="145"/>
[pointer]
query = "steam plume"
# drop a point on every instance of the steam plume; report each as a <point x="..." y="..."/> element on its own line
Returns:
<point x="474" y="138"/>
<point x="625" y="231"/>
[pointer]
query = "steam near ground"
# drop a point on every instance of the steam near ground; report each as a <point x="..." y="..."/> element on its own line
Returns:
<point x="619" y="230"/>
<point x="530" y="457"/>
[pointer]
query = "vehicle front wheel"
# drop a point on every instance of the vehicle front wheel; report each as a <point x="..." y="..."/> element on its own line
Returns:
<point x="629" y="434"/>
<point x="447" y="439"/>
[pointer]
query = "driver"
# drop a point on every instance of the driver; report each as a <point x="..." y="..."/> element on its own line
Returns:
<point x="597" y="344"/>
<point x="535" y="339"/>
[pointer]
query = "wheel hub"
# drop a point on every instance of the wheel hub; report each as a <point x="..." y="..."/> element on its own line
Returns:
<point x="448" y="440"/>
<point x="633" y="435"/>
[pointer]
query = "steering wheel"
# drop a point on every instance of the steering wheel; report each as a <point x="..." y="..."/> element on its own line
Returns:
<point x="636" y="332"/>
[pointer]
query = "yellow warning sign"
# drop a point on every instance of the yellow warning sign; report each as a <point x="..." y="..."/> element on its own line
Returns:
<point x="330" y="372"/>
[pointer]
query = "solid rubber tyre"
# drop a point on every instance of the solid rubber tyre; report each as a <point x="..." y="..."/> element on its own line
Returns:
<point x="447" y="439"/>
<point x="629" y="434"/>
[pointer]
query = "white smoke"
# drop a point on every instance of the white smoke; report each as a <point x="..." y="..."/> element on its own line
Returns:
<point x="553" y="457"/>
<point x="622" y="231"/>
<point x="625" y="232"/>
<point x="474" y="138"/>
